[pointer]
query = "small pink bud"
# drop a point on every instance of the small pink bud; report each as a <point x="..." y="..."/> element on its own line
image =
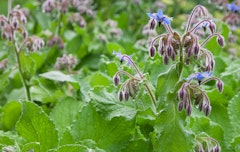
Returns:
<point x="116" y="79"/>
<point x="152" y="51"/>
<point x="220" y="40"/>
<point x="220" y="85"/>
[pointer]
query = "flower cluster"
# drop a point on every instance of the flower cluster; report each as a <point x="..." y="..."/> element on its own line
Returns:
<point x="56" y="40"/>
<point x="66" y="62"/>
<point x="62" y="6"/>
<point x="130" y="87"/>
<point x="207" y="144"/>
<point x="171" y="44"/>
<point x="191" y="91"/>
<point x="13" y="26"/>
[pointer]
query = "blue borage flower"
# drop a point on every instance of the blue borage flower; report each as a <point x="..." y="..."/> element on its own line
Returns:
<point x="199" y="76"/>
<point x="159" y="17"/>
<point x="121" y="57"/>
<point x="232" y="7"/>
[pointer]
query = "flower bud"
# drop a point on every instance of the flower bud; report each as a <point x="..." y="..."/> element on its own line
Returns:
<point x="196" y="49"/>
<point x="169" y="50"/>
<point x="120" y="95"/>
<point x="207" y="109"/>
<point x="152" y="24"/>
<point x="217" y="148"/>
<point x="116" y="79"/>
<point x="200" y="106"/>
<point x="220" y="85"/>
<point x="126" y="95"/>
<point x="180" y="105"/>
<point x="212" y="27"/>
<point x="220" y="40"/>
<point x="165" y="59"/>
<point x="181" y="93"/>
<point x="152" y="51"/>
<point x="189" y="110"/>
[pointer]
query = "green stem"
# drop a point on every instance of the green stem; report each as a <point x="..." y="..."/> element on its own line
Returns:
<point x="24" y="81"/>
<point x="150" y="93"/>
<point x="181" y="58"/>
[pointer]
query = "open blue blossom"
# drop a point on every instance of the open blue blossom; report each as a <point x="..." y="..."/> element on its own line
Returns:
<point x="232" y="7"/>
<point x="159" y="17"/>
<point x="199" y="76"/>
<point x="122" y="58"/>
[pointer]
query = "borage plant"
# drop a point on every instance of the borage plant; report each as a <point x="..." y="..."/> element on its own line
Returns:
<point x="188" y="56"/>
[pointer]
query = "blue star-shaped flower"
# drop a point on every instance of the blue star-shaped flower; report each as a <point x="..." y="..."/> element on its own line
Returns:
<point x="159" y="17"/>
<point x="199" y="76"/>
<point x="232" y="7"/>
<point x="121" y="58"/>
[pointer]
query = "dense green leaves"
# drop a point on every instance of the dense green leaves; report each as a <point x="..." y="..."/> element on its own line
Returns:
<point x="35" y="126"/>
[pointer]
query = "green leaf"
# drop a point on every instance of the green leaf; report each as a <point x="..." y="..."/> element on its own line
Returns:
<point x="5" y="141"/>
<point x="114" y="46"/>
<point x="64" y="113"/>
<point x="99" y="79"/>
<point x="234" y="113"/>
<point x="35" y="126"/>
<point x="109" y="107"/>
<point x="4" y="80"/>
<point x="166" y="83"/>
<point x="169" y="132"/>
<point x="72" y="148"/>
<point x="11" y="114"/>
<point x="28" y="65"/>
<point x="31" y="146"/>
<point x="66" y="138"/>
<point x="109" y="135"/>
<point x="236" y="143"/>
<point x="232" y="68"/>
<point x="58" y="76"/>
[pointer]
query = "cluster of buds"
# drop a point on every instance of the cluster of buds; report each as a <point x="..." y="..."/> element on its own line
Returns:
<point x="191" y="90"/>
<point x="62" y="6"/>
<point x="66" y="62"/>
<point x="13" y="24"/>
<point x="56" y="40"/>
<point x="33" y="43"/>
<point x="207" y="144"/>
<point x="186" y="46"/>
<point x="130" y="87"/>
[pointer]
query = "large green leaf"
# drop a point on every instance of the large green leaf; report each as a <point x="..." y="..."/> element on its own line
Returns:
<point x="28" y="65"/>
<point x="58" y="76"/>
<point x="4" y="80"/>
<point x="169" y="133"/>
<point x="233" y="68"/>
<point x="110" y="135"/>
<point x="234" y="113"/>
<point x="35" y="126"/>
<point x="64" y="113"/>
<point x="11" y="114"/>
<point x="166" y="83"/>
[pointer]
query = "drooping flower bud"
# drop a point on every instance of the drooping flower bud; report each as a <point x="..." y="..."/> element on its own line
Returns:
<point x="116" y="79"/>
<point x="152" y="24"/>
<point x="220" y="85"/>
<point x="212" y="27"/>
<point x="152" y="51"/>
<point x="217" y="148"/>
<point x="189" y="110"/>
<point x="165" y="59"/>
<point x="220" y="40"/>
<point x="126" y="95"/>
<point x="120" y="95"/>
<point x="180" y="105"/>
<point x="207" y="109"/>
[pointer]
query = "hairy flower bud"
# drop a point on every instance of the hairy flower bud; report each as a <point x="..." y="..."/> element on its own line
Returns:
<point x="212" y="27"/>
<point x="217" y="148"/>
<point x="180" y="105"/>
<point x="152" y="24"/>
<point x="181" y="93"/>
<point x="126" y="95"/>
<point x="189" y="110"/>
<point x="220" y="40"/>
<point x="196" y="49"/>
<point x="219" y="85"/>
<point x="152" y="51"/>
<point x="169" y="50"/>
<point x="207" y="109"/>
<point x="165" y="59"/>
<point x="116" y="79"/>
<point x="120" y="95"/>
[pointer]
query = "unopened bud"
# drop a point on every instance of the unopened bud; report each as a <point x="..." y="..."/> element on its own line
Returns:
<point x="181" y="93"/>
<point x="120" y="95"/>
<point x="169" y="50"/>
<point x="212" y="27"/>
<point x="180" y="105"/>
<point x="165" y="59"/>
<point x="189" y="110"/>
<point x="220" y="40"/>
<point x="152" y="51"/>
<point x="116" y="79"/>
<point x="207" y="109"/>
<point x="152" y="24"/>
<point x="217" y="148"/>
<point x="200" y="106"/>
<point x="126" y="95"/>
<point x="196" y="49"/>
<point x="220" y="85"/>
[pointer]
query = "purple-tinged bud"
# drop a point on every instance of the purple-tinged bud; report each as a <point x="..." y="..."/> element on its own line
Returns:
<point x="189" y="110"/>
<point x="220" y="85"/>
<point x="200" y="106"/>
<point x="190" y="51"/>
<point x="4" y="36"/>
<point x="212" y="64"/>
<point x="212" y="27"/>
<point x="180" y="105"/>
<point x="220" y="40"/>
<point x="181" y="93"/>
<point x="15" y="24"/>
<point x="217" y="148"/>
<point x="116" y="79"/>
<point x="173" y="56"/>
<point x="120" y="95"/>
<point x="152" y="51"/>
<point x="126" y="95"/>
<point x="152" y="24"/>
<point x="160" y="50"/>
<point x="24" y="34"/>
<point x="207" y="109"/>
<point x="196" y="49"/>
<point x="169" y="50"/>
<point x="165" y="59"/>
<point x="208" y="68"/>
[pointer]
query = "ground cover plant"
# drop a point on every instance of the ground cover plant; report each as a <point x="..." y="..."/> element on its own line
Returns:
<point x="84" y="75"/>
